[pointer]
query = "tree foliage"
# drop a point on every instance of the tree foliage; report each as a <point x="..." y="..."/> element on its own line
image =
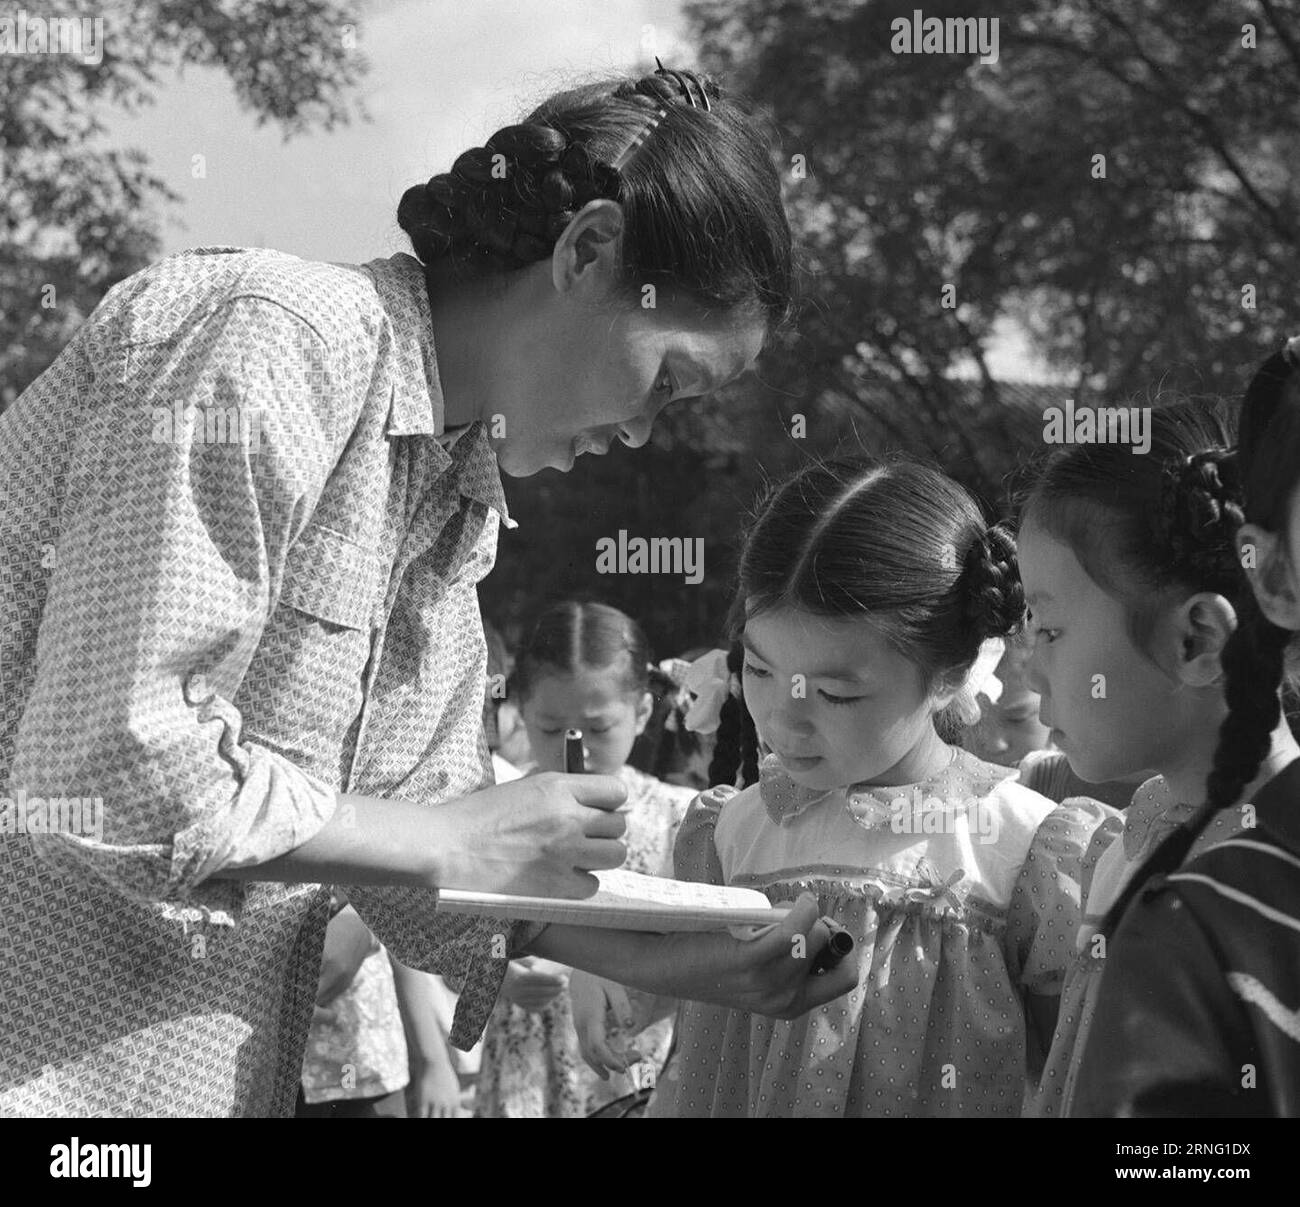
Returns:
<point x="77" y="215"/>
<point x="927" y="170"/>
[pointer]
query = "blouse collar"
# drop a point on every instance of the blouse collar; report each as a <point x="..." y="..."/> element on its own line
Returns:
<point x="1153" y="814"/>
<point x="877" y="807"/>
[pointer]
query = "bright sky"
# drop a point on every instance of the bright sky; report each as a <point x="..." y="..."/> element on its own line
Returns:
<point x="443" y="76"/>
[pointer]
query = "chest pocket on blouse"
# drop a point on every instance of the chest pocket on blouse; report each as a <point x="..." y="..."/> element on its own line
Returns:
<point x="304" y="691"/>
<point x="331" y="577"/>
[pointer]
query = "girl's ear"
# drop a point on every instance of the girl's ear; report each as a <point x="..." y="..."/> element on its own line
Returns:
<point x="644" y="711"/>
<point x="1271" y="574"/>
<point x="1201" y="626"/>
<point x="587" y="254"/>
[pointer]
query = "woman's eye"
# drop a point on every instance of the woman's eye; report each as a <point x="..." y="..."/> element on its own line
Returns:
<point x="664" y="384"/>
<point x="1050" y="634"/>
<point x="593" y="729"/>
<point x="758" y="672"/>
<point x="550" y="733"/>
<point x="839" y="699"/>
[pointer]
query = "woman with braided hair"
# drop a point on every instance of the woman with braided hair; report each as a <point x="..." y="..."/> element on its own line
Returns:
<point x="238" y="605"/>
<point x="618" y="250"/>
<point x="1199" y="1002"/>
<point x="868" y="593"/>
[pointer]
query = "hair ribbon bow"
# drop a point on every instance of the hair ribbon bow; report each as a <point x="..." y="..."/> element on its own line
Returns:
<point x="708" y="683"/>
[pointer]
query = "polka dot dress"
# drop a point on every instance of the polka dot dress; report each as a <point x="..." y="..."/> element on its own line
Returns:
<point x="962" y="895"/>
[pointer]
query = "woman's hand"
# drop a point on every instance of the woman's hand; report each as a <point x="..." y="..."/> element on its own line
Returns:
<point x="433" y="1091"/>
<point x="538" y="836"/>
<point x="541" y="837"/>
<point x="592" y="998"/>
<point x="532" y="983"/>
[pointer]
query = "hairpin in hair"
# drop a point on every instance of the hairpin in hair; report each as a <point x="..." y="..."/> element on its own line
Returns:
<point x="639" y="139"/>
<point x="684" y="80"/>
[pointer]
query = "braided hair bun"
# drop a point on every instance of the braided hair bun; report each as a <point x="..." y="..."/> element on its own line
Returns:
<point x="995" y="597"/>
<point x="1200" y="513"/>
<point x="681" y="173"/>
<point x="506" y="202"/>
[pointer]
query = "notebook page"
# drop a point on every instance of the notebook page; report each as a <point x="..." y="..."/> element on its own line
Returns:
<point x="629" y="901"/>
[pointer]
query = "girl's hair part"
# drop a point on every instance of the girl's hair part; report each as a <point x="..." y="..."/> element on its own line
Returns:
<point x="701" y="196"/>
<point x="895" y="541"/>
<point x="573" y="636"/>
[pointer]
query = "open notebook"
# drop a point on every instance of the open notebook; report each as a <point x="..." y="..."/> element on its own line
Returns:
<point x="628" y="901"/>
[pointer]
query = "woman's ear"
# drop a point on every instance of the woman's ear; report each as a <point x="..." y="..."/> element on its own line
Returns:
<point x="588" y="253"/>
<point x="1271" y="574"/>
<point x="1201" y="627"/>
<point x="644" y="711"/>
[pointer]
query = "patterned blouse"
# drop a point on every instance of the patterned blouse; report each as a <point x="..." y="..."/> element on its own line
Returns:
<point x="962" y="896"/>
<point x="238" y="574"/>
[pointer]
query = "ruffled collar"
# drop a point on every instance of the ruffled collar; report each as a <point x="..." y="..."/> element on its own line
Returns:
<point x="1153" y="814"/>
<point x="898" y="806"/>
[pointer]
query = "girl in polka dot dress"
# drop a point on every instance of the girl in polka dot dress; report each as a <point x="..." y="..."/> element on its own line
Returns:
<point x="866" y="593"/>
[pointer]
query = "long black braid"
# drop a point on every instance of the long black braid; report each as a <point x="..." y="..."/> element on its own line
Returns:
<point x="737" y="744"/>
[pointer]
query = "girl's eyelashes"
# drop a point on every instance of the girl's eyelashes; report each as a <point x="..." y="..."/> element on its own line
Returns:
<point x="839" y="699"/>
<point x="759" y="673"/>
<point x="664" y="383"/>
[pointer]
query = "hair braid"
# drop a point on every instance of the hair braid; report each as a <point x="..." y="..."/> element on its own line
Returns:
<point x="736" y="748"/>
<point x="507" y="202"/>
<point x="1254" y="662"/>
<point x="1200" y="512"/>
<point x="995" y="596"/>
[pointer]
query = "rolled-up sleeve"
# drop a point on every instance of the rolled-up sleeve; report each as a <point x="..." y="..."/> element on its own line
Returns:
<point x="170" y="555"/>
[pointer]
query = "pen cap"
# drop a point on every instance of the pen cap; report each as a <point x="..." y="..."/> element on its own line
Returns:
<point x="841" y="943"/>
<point x="574" y="761"/>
